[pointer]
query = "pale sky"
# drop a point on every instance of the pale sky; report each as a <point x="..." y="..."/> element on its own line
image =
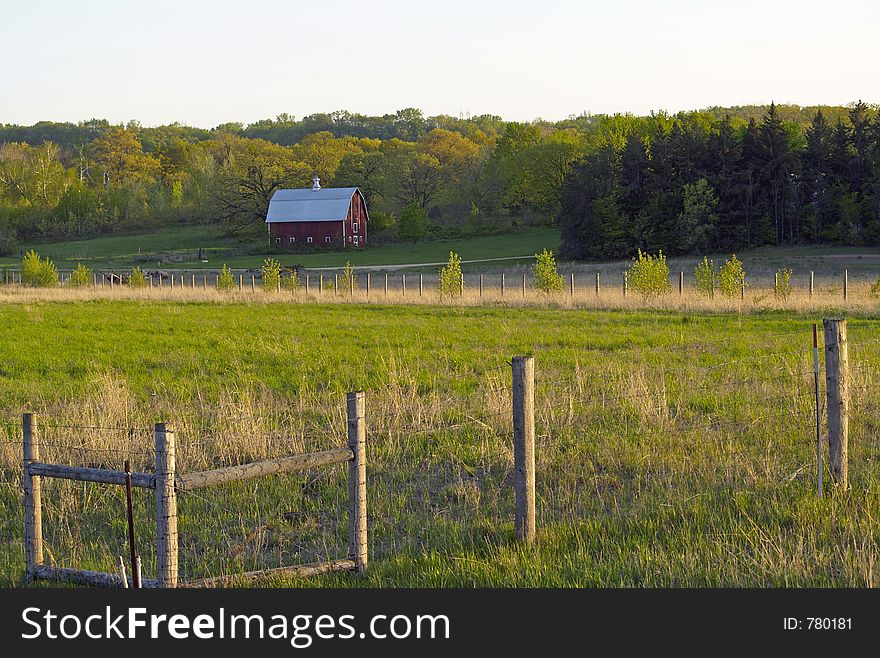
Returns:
<point x="205" y="63"/>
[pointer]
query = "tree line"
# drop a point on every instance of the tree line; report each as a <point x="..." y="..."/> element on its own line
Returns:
<point x="613" y="182"/>
<point x="698" y="183"/>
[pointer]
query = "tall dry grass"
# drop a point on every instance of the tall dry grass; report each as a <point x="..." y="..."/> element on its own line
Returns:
<point x="756" y="299"/>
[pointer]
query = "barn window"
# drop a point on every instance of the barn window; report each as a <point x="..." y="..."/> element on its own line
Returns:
<point x="277" y="240"/>
<point x="355" y="241"/>
<point x="355" y="227"/>
<point x="309" y="239"/>
<point x="291" y="239"/>
<point x="327" y="239"/>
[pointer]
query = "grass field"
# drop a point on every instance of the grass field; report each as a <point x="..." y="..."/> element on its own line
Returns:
<point x="178" y="248"/>
<point x="673" y="449"/>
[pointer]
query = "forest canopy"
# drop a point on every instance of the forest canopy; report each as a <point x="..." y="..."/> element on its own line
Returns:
<point x="717" y="178"/>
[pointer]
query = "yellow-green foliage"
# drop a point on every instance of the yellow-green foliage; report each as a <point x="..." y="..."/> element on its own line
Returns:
<point x="706" y="276"/>
<point x="782" y="287"/>
<point x="225" y="280"/>
<point x="271" y="275"/>
<point x="137" y="279"/>
<point x="80" y="277"/>
<point x="349" y="278"/>
<point x="450" y="281"/>
<point x="290" y="282"/>
<point x="547" y="278"/>
<point x="38" y="272"/>
<point x="732" y="277"/>
<point x="649" y="275"/>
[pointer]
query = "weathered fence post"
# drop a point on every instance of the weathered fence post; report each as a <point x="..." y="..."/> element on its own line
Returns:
<point x="597" y="284"/>
<point x="368" y="285"/>
<point x="33" y="513"/>
<point x="357" y="479"/>
<point x="502" y="284"/>
<point x="351" y="284"/>
<point x="308" y="287"/>
<point x="680" y="283"/>
<point x="253" y="283"/>
<point x="461" y="285"/>
<point x="320" y="284"/>
<point x="625" y="282"/>
<point x="524" y="446"/>
<point x="811" y="283"/>
<point x="240" y="277"/>
<point x="403" y="283"/>
<point x="481" y="284"/>
<point x="420" y="284"/>
<point x="192" y="282"/>
<point x="335" y="284"/>
<point x="845" y="281"/>
<point x="386" y="284"/>
<point x="205" y="281"/>
<point x="524" y="285"/>
<point x="151" y="282"/>
<point x="837" y="398"/>
<point x="166" y="508"/>
<point x="571" y="286"/>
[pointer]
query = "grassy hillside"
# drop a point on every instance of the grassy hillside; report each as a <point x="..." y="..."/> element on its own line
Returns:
<point x="673" y="449"/>
<point x="179" y="247"/>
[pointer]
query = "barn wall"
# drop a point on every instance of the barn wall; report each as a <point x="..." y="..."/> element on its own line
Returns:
<point x="356" y="221"/>
<point x="301" y="231"/>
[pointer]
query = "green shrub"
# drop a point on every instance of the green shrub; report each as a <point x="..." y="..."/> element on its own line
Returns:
<point x="732" y="277"/>
<point x="875" y="288"/>
<point x="450" y="282"/>
<point x="547" y="278"/>
<point x="37" y="272"/>
<point x="80" y="277"/>
<point x="782" y="285"/>
<point x="649" y="275"/>
<point x="271" y="275"/>
<point x="225" y="280"/>
<point x="290" y="282"/>
<point x="706" y="277"/>
<point x="137" y="278"/>
<point x="349" y="278"/>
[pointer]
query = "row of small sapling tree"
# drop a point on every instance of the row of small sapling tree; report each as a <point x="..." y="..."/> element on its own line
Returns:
<point x="647" y="276"/>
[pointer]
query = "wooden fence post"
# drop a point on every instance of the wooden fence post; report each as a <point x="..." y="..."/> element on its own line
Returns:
<point x="368" y="285"/>
<point x="811" y="283"/>
<point x="524" y="446"/>
<point x="357" y="479"/>
<point x="625" y="282"/>
<point x="33" y="512"/>
<point x="837" y="399"/>
<point x="845" y="281"/>
<point x="308" y="287"/>
<point x="386" y="284"/>
<point x="597" y="284"/>
<point x="502" y="284"/>
<point x="335" y="284"/>
<point x="403" y="283"/>
<point x="524" y="285"/>
<point x="166" y="508"/>
<point x="481" y="284"/>
<point x="240" y="277"/>
<point x="680" y="283"/>
<point x="571" y="286"/>
<point x="420" y="284"/>
<point x="253" y="283"/>
<point x="461" y="285"/>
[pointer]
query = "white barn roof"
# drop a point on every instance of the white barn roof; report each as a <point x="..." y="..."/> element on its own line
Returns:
<point x="326" y="204"/>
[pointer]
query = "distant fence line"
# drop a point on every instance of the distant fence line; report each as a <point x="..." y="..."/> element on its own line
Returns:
<point x="417" y="283"/>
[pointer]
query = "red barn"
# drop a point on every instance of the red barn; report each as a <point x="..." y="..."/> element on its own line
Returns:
<point x="318" y="217"/>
